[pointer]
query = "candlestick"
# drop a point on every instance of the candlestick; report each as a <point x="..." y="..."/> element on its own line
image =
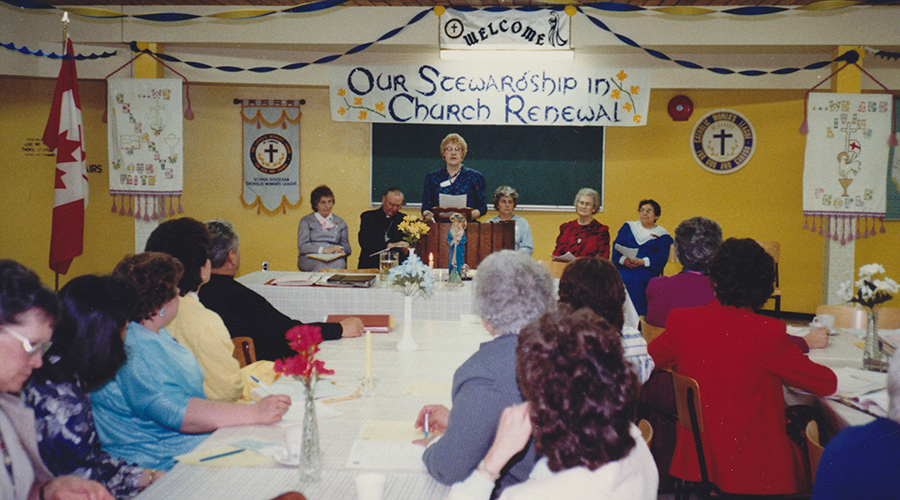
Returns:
<point x="369" y="355"/>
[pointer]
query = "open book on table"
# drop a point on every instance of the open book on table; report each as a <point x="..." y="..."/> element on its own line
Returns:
<point x="325" y="257"/>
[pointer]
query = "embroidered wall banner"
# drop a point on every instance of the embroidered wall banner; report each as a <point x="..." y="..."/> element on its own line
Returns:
<point x="845" y="173"/>
<point x="271" y="155"/>
<point x="555" y="94"/>
<point x="145" y="140"/>
<point x="509" y="29"/>
<point x="893" y="177"/>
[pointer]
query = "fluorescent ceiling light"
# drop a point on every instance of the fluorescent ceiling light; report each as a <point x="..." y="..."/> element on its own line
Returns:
<point x="507" y="55"/>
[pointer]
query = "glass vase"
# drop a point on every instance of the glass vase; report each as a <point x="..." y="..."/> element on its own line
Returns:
<point x="310" y="452"/>
<point x="873" y="357"/>
<point x="407" y="342"/>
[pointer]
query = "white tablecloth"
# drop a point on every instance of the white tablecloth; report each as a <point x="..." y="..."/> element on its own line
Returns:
<point x="314" y="303"/>
<point x="840" y="352"/>
<point x="443" y="346"/>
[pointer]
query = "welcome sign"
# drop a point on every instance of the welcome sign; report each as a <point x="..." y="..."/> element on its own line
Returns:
<point x="510" y="29"/>
<point x="481" y="94"/>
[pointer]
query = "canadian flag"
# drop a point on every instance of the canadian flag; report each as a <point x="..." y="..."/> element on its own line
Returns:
<point x="64" y="135"/>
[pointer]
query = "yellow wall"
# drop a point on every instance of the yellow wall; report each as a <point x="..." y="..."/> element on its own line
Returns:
<point x="760" y="201"/>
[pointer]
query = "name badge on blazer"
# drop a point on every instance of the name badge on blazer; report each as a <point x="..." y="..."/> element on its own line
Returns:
<point x="446" y="183"/>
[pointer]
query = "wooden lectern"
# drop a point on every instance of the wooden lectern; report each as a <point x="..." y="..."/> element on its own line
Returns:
<point x="481" y="241"/>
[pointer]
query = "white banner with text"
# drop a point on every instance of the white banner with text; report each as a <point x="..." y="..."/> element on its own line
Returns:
<point x="509" y="29"/>
<point x="560" y="94"/>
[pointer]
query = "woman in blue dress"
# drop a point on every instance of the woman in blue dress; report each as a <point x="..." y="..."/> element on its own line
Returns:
<point x="640" y="252"/>
<point x="87" y="351"/>
<point x="155" y="409"/>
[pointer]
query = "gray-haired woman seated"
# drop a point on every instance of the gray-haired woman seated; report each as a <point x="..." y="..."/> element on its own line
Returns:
<point x="506" y="199"/>
<point x="580" y="398"/>
<point x="511" y="290"/>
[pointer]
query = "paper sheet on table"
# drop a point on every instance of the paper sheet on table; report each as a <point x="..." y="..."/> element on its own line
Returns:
<point x="875" y="403"/>
<point x="452" y="200"/>
<point x="297" y="412"/>
<point x="853" y="382"/>
<point x="435" y="389"/>
<point x="326" y="391"/>
<point x="381" y="455"/>
<point x="246" y="458"/>
<point x="398" y="431"/>
<point x="797" y="331"/>
<point x="629" y="252"/>
<point x="296" y="279"/>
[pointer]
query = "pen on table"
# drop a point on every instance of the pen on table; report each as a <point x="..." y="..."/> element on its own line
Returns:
<point x="262" y="386"/>
<point x="426" y="426"/>
<point x="220" y="455"/>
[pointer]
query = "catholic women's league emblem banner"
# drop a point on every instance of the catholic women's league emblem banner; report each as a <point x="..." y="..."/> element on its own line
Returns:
<point x="490" y="94"/>
<point x="510" y="29"/>
<point x="271" y="154"/>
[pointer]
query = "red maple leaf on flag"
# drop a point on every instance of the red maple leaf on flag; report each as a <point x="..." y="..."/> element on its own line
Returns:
<point x="70" y="190"/>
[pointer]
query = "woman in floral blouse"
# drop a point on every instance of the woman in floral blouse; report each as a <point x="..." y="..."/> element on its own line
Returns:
<point x="87" y="351"/>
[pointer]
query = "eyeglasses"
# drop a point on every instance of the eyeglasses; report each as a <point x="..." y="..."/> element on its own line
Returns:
<point x="647" y="211"/>
<point x="30" y="348"/>
<point x="455" y="149"/>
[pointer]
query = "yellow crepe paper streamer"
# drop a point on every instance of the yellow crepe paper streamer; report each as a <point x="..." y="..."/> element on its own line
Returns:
<point x="684" y="10"/>
<point x="92" y="12"/>
<point x="243" y="14"/>
<point x="827" y="5"/>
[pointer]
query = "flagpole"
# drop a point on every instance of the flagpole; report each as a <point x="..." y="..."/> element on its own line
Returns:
<point x="65" y="23"/>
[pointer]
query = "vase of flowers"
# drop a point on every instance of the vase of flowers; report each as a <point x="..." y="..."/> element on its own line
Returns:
<point x="871" y="292"/>
<point x="412" y="277"/>
<point x="413" y="228"/>
<point x="304" y="366"/>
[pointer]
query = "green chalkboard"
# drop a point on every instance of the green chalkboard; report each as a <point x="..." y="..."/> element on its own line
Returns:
<point x="546" y="165"/>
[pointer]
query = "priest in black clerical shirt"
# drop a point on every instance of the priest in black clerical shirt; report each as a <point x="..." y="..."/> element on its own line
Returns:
<point x="247" y="313"/>
<point x="378" y="230"/>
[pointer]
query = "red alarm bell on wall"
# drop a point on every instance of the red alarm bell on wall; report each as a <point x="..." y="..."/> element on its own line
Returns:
<point x="680" y="108"/>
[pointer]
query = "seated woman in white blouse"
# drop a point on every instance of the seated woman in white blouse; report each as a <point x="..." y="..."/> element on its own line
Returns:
<point x="580" y="398"/>
<point x="505" y="201"/>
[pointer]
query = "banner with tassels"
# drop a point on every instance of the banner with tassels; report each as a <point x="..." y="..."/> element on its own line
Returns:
<point x="845" y="173"/>
<point x="271" y="155"/>
<point x="145" y="136"/>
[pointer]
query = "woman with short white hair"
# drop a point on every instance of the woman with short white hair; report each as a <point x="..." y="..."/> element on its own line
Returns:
<point x="511" y="291"/>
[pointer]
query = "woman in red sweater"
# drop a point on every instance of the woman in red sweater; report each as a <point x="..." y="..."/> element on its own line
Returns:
<point x="740" y="360"/>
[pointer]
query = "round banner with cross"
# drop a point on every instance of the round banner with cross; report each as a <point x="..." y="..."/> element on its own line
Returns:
<point x="723" y="141"/>
<point x="271" y="154"/>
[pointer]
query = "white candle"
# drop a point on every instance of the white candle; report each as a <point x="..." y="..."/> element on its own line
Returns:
<point x="369" y="355"/>
<point x="431" y="260"/>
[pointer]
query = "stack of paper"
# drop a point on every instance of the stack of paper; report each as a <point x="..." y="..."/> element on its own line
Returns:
<point x="296" y="279"/>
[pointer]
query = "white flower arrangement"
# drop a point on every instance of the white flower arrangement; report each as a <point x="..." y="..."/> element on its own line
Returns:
<point x="413" y="276"/>
<point x="870" y="291"/>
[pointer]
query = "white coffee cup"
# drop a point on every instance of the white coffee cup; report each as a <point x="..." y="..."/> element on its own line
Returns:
<point x="293" y="437"/>
<point x="823" y="320"/>
<point x="369" y="486"/>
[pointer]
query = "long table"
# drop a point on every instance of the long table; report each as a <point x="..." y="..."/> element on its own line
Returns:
<point x="840" y="353"/>
<point x="443" y="346"/>
<point x="314" y="303"/>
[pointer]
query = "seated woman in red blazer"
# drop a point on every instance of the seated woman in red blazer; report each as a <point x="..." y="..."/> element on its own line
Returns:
<point x="740" y="360"/>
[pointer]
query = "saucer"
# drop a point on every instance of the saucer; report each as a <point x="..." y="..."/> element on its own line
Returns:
<point x="282" y="458"/>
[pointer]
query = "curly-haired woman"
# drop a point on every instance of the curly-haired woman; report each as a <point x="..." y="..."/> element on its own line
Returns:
<point x="580" y="397"/>
<point x="741" y="360"/>
<point x="154" y="408"/>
